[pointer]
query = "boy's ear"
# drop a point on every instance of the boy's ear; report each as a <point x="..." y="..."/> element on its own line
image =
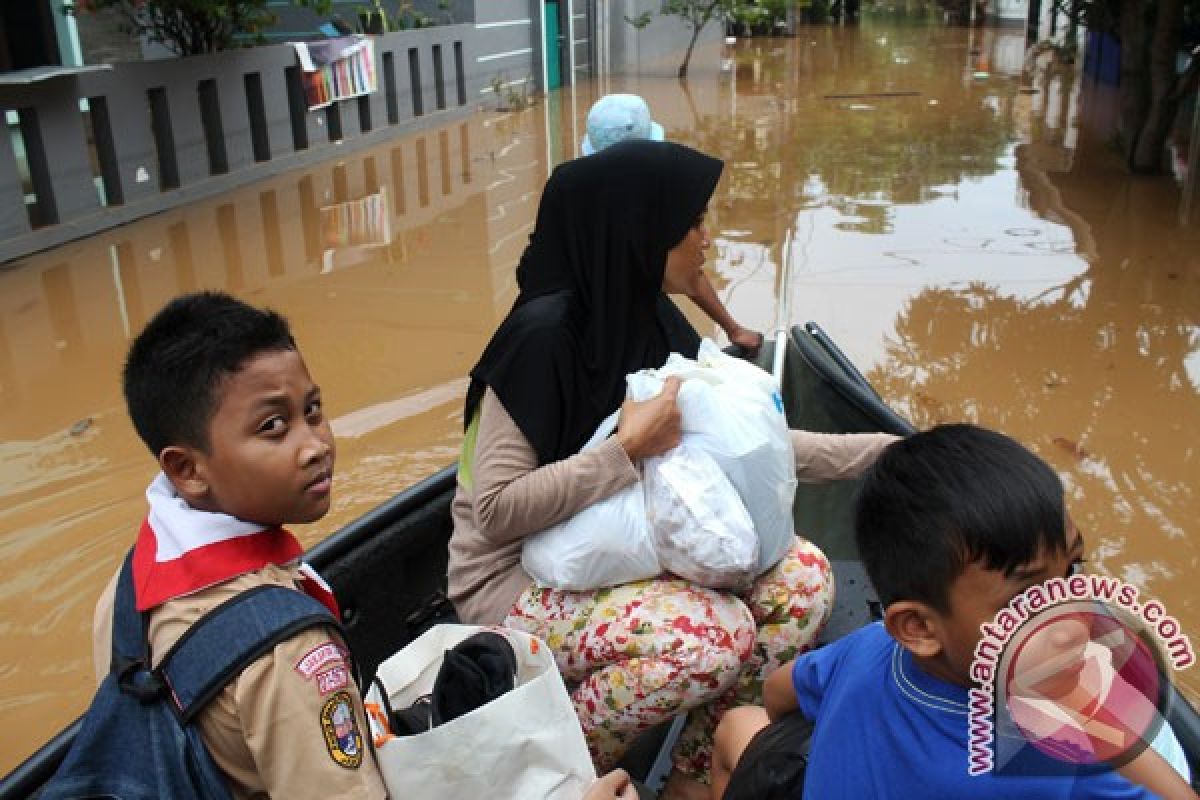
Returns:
<point x="914" y="625"/>
<point x="182" y="466"/>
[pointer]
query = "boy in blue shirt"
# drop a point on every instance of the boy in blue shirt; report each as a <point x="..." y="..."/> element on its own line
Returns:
<point x="951" y="524"/>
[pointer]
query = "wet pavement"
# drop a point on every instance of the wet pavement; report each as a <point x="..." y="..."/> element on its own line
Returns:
<point x="960" y="228"/>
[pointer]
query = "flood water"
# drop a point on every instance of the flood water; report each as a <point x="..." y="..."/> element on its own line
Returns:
<point x="961" y="229"/>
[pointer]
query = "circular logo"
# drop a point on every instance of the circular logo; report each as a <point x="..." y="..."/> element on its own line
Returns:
<point x="1083" y="685"/>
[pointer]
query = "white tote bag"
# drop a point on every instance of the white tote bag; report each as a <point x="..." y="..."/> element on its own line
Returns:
<point x="525" y="744"/>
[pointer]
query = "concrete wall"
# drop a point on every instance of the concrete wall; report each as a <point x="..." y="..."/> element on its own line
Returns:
<point x="101" y="40"/>
<point x="168" y="132"/>
<point x="513" y="32"/>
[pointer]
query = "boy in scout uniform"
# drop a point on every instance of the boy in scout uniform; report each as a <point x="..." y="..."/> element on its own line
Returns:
<point x="220" y="394"/>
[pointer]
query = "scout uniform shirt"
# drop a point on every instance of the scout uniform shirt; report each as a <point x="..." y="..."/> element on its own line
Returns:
<point x="291" y="724"/>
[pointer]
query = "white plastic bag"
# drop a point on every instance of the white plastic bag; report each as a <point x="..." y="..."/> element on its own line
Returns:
<point x="732" y="410"/>
<point x="606" y="544"/>
<point x="700" y="528"/>
<point x="527" y="743"/>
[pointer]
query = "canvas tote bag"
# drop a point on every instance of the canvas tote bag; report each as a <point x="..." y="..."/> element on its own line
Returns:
<point x="525" y="744"/>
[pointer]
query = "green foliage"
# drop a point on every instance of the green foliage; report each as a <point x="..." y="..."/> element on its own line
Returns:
<point x="698" y="13"/>
<point x="510" y="97"/>
<point x="640" y="21"/>
<point x="375" y="19"/>
<point x="191" y="27"/>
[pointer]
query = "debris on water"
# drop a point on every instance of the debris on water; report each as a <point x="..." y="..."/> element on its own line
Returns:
<point x="860" y="107"/>
<point x="1172" y="276"/>
<point x="1073" y="448"/>
<point x="932" y="406"/>
<point x="1052" y="380"/>
<point x="933" y="102"/>
<point x="80" y="426"/>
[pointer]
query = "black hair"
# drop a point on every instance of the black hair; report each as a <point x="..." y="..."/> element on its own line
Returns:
<point x="175" y="366"/>
<point x="952" y="496"/>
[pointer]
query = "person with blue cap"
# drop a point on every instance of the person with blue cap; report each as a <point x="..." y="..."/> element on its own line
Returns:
<point x="620" y="117"/>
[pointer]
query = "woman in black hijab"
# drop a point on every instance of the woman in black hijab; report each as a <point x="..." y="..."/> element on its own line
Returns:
<point x="613" y="232"/>
<point x="590" y="308"/>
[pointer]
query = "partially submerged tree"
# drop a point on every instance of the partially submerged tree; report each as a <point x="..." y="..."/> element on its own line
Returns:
<point x="696" y="14"/>
<point x="1151" y="91"/>
<point x="191" y="27"/>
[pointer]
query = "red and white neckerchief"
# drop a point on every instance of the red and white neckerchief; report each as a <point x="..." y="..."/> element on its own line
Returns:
<point x="181" y="550"/>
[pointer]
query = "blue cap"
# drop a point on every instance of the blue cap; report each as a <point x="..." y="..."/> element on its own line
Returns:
<point x="617" y="117"/>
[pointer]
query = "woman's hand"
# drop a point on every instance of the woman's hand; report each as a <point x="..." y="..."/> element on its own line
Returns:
<point x="613" y="786"/>
<point x="652" y="427"/>
<point x="748" y="340"/>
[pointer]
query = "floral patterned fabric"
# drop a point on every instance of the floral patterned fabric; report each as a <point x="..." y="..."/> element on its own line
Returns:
<point x="641" y="653"/>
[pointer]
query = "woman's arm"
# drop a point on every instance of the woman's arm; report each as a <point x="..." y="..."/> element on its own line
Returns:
<point x="705" y="296"/>
<point x="514" y="497"/>
<point x="1150" y="770"/>
<point x="836" y="456"/>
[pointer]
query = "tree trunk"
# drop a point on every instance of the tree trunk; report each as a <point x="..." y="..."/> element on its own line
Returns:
<point x="1147" y="155"/>
<point x="1135" y="80"/>
<point x="699" y="18"/>
<point x="687" y="56"/>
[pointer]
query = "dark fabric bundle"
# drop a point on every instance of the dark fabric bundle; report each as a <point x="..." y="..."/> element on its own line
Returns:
<point x="591" y="308"/>
<point x="474" y="672"/>
<point x="773" y="764"/>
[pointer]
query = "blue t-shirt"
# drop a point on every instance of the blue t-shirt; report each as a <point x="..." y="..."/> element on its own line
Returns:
<point x="886" y="729"/>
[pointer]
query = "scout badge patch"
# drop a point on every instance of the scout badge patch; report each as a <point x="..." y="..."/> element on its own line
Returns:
<point x="342" y="737"/>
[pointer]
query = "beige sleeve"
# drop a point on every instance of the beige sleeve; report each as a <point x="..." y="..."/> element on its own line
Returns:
<point x="514" y="497"/>
<point x="302" y="722"/>
<point x="102" y="629"/>
<point x="836" y="456"/>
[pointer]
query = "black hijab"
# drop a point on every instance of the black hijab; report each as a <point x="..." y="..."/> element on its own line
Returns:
<point x="591" y="307"/>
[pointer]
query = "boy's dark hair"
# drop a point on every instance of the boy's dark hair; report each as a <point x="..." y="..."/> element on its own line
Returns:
<point x="948" y="497"/>
<point x="176" y="364"/>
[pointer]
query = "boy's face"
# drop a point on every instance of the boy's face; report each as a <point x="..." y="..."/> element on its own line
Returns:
<point x="271" y="450"/>
<point x="978" y="594"/>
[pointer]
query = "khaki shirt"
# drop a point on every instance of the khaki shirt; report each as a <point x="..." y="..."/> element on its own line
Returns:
<point x="292" y="723"/>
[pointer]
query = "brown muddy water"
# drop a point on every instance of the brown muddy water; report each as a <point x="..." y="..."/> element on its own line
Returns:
<point x="959" y="227"/>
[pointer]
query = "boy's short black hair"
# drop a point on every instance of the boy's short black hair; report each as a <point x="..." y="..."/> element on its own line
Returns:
<point x="952" y="496"/>
<point x="176" y="364"/>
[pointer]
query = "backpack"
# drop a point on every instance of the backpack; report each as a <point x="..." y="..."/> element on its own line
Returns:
<point x="773" y="765"/>
<point x="137" y="741"/>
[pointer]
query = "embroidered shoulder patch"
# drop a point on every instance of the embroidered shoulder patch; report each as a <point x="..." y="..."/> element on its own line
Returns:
<point x="342" y="737"/>
<point x="333" y="679"/>
<point x="316" y="659"/>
